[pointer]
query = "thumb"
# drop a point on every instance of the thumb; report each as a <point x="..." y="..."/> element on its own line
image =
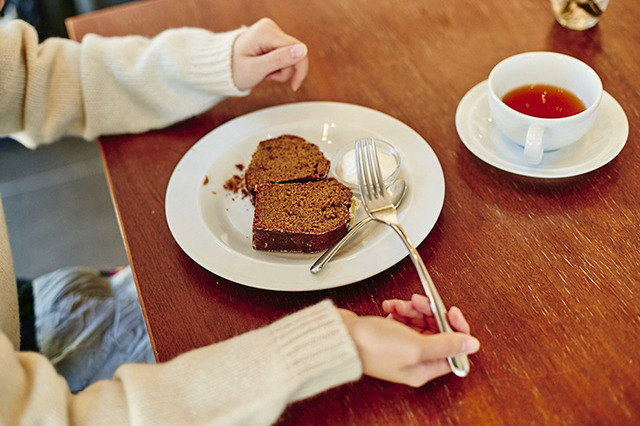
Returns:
<point x="444" y="345"/>
<point x="282" y="57"/>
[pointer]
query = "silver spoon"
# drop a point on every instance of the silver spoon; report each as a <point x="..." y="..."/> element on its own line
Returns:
<point x="398" y="191"/>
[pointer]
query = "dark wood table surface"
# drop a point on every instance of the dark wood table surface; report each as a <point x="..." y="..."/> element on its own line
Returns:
<point x="547" y="271"/>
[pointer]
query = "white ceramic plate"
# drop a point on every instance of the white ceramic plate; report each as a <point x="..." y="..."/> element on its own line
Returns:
<point x="213" y="225"/>
<point x="601" y="144"/>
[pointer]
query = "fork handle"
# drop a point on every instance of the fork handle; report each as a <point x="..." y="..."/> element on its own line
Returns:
<point x="459" y="363"/>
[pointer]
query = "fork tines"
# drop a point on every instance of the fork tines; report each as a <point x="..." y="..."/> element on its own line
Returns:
<point x="369" y="168"/>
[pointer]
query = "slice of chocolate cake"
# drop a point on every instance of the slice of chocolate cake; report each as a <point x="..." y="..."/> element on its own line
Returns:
<point x="287" y="158"/>
<point x="302" y="217"/>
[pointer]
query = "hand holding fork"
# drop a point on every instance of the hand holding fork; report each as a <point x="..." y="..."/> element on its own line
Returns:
<point x="380" y="208"/>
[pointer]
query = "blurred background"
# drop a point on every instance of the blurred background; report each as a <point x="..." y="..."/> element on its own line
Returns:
<point x="56" y="199"/>
<point x="48" y="15"/>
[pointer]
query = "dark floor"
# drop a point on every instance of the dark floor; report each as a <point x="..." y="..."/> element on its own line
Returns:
<point x="56" y="200"/>
<point x="58" y="208"/>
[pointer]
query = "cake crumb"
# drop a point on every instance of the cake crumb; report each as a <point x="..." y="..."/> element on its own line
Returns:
<point x="234" y="184"/>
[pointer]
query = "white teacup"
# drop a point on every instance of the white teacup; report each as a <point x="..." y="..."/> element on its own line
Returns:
<point x="535" y="134"/>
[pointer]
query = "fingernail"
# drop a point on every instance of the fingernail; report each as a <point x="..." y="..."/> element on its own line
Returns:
<point x="298" y="51"/>
<point x="470" y="345"/>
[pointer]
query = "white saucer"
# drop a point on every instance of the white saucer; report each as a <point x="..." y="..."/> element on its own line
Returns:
<point x="600" y="145"/>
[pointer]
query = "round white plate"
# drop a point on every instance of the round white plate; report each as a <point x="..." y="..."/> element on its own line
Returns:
<point x="601" y="144"/>
<point x="213" y="225"/>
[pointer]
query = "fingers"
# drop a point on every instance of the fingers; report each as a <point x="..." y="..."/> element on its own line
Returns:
<point x="288" y="63"/>
<point x="268" y="36"/>
<point x="421" y="304"/>
<point x="444" y="345"/>
<point x="457" y="320"/>
<point x="264" y="51"/>
<point x="280" y="75"/>
<point x="400" y="307"/>
<point x="403" y="312"/>
<point x="417" y="313"/>
<point x="301" y="69"/>
<point x="393" y="352"/>
<point x="434" y="351"/>
<point x="412" y="313"/>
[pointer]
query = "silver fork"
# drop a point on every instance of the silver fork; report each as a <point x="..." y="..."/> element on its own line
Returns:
<point x="379" y="207"/>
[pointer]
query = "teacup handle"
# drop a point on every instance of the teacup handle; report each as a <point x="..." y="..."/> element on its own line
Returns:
<point x="533" y="145"/>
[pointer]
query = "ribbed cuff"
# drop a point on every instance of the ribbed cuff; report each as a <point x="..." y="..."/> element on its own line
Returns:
<point x="212" y="62"/>
<point x="318" y="348"/>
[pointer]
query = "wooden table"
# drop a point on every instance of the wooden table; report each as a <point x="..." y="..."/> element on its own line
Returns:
<point x="547" y="271"/>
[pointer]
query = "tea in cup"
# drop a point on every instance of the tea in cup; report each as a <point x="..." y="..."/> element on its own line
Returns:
<point x="543" y="101"/>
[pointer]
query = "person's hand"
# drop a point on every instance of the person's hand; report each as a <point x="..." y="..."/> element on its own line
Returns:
<point x="407" y="347"/>
<point x="264" y="51"/>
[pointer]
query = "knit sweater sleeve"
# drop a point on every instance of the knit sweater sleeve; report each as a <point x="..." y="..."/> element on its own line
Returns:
<point x="248" y="379"/>
<point x="109" y="85"/>
<point x="9" y="317"/>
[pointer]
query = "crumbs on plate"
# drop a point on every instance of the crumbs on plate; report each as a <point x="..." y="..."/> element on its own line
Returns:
<point x="234" y="184"/>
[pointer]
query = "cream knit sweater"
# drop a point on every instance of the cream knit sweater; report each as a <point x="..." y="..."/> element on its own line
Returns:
<point x="127" y="85"/>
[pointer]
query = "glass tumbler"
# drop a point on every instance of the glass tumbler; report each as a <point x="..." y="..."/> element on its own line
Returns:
<point x="578" y="14"/>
